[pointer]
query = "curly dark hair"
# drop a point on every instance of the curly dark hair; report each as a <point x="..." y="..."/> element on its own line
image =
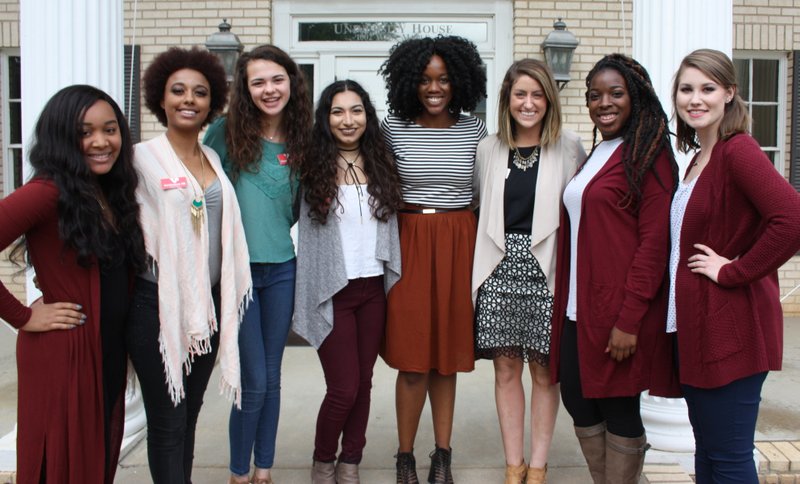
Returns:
<point x="646" y="134"/>
<point x="318" y="166"/>
<point x="243" y="129"/>
<point x="56" y="154"/>
<point x="174" y="59"/>
<point x="407" y="60"/>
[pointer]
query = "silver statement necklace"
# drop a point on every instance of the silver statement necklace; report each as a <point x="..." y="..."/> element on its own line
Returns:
<point x="525" y="162"/>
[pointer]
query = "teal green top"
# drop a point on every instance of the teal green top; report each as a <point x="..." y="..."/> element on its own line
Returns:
<point x="266" y="198"/>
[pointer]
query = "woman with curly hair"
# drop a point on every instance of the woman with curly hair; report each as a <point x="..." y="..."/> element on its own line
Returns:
<point x="80" y="220"/>
<point x="187" y="306"/>
<point x="348" y="257"/>
<point x="429" y="322"/>
<point x="734" y="222"/>
<point x="259" y="141"/>
<point x="521" y="172"/>
<point x="612" y="256"/>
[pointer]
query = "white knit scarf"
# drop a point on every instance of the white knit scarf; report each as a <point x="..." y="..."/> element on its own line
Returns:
<point x="186" y="308"/>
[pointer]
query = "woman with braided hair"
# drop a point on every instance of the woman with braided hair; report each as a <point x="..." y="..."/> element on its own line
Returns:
<point x="614" y="247"/>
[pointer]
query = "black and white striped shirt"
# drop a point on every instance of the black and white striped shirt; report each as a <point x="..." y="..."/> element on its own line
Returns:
<point x="435" y="164"/>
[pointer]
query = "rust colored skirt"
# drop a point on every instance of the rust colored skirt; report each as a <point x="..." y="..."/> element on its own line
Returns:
<point x="429" y="325"/>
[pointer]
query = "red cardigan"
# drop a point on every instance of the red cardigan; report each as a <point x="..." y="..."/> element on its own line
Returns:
<point x="60" y="374"/>
<point x="622" y="258"/>
<point x="741" y="206"/>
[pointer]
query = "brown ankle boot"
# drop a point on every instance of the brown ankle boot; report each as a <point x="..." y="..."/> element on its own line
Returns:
<point x="625" y="458"/>
<point x="516" y="474"/>
<point x="233" y="479"/>
<point x="593" y="446"/>
<point x="536" y="475"/>
<point x="347" y="473"/>
<point x="323" y="473"/>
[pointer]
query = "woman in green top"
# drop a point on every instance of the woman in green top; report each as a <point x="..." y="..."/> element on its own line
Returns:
<point x="268" y="123"/>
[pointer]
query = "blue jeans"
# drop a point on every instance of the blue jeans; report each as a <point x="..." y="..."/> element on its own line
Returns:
<point x="724" y="423"/>
<point x="262" y="338"/>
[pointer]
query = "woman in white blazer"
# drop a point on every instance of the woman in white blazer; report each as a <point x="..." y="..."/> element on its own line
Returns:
<point x="520" y="174"/>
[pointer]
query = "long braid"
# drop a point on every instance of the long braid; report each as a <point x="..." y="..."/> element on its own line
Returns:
<point x="646" y="133"/>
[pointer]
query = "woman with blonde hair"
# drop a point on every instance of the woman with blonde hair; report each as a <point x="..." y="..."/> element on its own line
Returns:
<point x="521" y="171"/>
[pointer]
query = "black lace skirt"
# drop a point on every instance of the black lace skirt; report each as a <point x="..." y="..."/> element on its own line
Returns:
<point x="514" y="308"/>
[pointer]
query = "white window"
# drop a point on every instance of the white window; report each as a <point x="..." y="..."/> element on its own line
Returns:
<point x="761" y="77"/>
<point x="11" y="120"/>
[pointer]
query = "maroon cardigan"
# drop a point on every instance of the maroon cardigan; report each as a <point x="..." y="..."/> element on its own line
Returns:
<point x="622" y="258"/>
<point x="741" y="206"/>
<point x="60" y="374"/>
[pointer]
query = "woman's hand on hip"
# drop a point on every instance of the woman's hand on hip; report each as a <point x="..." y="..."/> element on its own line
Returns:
<point x="55" y="316"/>
<point x="621" y="345"/>
<point x="707" y="263"/>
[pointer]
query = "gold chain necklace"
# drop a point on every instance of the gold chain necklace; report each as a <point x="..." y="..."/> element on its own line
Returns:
<point x="196" y="207"/>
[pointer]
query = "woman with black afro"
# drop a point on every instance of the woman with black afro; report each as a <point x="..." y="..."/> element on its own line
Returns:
<point x="188" y="305"/>
<point x="429" y="336"/>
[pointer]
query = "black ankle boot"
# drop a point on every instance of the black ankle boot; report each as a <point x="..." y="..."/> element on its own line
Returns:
<point x="440" y="467"/>
<point x="406" y="468"/>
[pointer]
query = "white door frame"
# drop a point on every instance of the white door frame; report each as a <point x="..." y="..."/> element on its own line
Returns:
<point x="496" y="48"/>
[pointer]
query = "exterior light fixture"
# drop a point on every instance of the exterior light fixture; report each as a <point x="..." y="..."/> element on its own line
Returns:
<point x="225" y="45"/>
<point x="558" y="47"/>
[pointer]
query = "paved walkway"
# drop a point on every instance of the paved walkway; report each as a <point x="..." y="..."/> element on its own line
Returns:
<point x="477" y="455"/>
<point x="477" y="448"/>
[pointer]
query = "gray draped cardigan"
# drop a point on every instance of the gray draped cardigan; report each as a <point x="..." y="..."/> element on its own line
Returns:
<point x="321" y="271"/>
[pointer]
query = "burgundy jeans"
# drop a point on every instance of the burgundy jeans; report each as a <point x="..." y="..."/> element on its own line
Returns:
<point x="348" y="356"/>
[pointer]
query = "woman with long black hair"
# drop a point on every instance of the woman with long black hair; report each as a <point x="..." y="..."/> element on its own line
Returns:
<point x="80" y="221"/>
<point x="348" y="257"/>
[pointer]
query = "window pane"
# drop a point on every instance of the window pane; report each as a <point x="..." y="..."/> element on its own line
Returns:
<point x="16" y="155"/>
<point x="743" y="77"/>
<point x="765" y="125"/>
<point x="14" y="84"/>
<point x="15" y="122"/>
<point x="771" y="156"/>
<point x="765" y="80"/>
<point x="308" y="73"/>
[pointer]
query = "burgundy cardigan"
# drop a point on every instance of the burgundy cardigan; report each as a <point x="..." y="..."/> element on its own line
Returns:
<point x="60" y="374"/>
<point x="741" y="206"/>
<point x="622" y="259"/>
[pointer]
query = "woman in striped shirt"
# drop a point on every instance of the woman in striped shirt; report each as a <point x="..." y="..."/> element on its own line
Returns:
<point x="429" y="322"/>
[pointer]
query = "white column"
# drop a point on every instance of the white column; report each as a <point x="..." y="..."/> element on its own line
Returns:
<point x="663" y="33"/>
<point x="73" y="42"/>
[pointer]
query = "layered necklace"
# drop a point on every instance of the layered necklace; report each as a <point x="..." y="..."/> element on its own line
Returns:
<point x="353" y="174"/>
<point x="525" y="162"/>
<point x="196" y="206"/>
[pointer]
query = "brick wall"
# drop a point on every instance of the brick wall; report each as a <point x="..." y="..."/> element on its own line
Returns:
<point x="11" y="276"/>
<point x="773" y="25"/>
<point x="597" y="24"/>
<point x="166" y="23"/>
